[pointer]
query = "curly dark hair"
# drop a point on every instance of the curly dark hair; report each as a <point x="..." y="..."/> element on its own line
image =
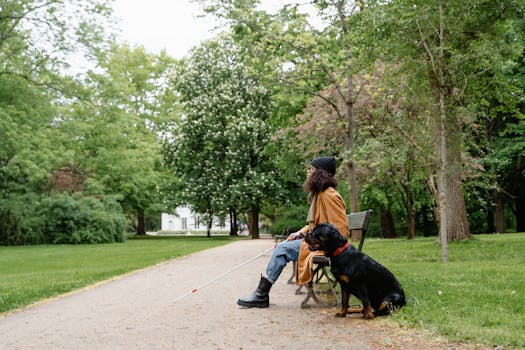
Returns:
<point x="319" y="181"/>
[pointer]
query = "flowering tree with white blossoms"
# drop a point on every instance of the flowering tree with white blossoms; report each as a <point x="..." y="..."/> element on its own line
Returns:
<point x="218" y="149"/>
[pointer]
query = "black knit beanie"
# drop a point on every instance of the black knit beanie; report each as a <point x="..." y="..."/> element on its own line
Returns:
<point x="325" y="163"/>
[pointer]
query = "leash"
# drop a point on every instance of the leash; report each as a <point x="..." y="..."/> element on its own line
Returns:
<point x="221" y="275"/>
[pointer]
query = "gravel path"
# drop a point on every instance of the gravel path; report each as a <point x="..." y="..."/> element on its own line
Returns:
<point x="137" y="311"/>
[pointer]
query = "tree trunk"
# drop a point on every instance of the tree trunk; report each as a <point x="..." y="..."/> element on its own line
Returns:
<point x="350" y="135"/>
<point x="427" y="229"/>
<point x="453" y="223"/>
<point x="442" y="180"/>
<point x="388" y="230"/>
<point x="411" y="222"/>
<point x="253" y="221"/>
<point x="141" y="222"/>
<point x="411" y="213"/>
<point x="520" y="194"/>
<point x="457" y="224"/>
<point x="349" y="112"/>
<point x="432" y="188"/>
<point x="234" y="228"/>
<point x="209" y="225"/>
<point x="520" y="209"/>
<point x="491" y="228"/>
<point x="453" y="215"/>
<point x="442" y="149"/>
<point x="499" y="217"/>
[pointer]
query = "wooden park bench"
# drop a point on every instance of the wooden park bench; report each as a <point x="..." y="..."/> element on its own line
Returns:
<point x="356" y="221"/>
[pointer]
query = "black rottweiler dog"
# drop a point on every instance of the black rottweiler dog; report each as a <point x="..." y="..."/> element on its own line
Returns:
<point x="358" y="274"/>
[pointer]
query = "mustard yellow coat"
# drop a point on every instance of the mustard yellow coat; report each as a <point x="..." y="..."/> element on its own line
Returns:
<point x="331" y="208"/>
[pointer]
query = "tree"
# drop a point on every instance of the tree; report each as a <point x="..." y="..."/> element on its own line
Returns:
<point x="497" y="130"/>
<point x="309" y="59"/>
<point x="38" y="37"/>
<point x="114" y="128"/>
<point x="35" y="39"/>
<point x="439" y="38"/>
<point x="217" y="151"/>
<point x="393" y="153"/>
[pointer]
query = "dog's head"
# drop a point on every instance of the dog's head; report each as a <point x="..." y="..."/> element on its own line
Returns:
<point x="325" y="237"/>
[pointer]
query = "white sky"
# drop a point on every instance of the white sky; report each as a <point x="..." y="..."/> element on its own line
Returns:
<point x="168" y="24"/>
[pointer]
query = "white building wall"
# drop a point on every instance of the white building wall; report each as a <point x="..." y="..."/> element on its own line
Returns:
<point x="186" y="220"/>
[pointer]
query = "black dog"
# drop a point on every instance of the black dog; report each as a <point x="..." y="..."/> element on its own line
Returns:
<point x="358" y="274"/>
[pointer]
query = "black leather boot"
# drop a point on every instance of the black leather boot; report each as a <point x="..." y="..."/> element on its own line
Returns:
<point x="260" y="297"/>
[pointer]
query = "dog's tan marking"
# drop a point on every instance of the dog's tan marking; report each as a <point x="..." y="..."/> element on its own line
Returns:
<point x="386" y="305"/>
<point x="356" y="310"/>
<point x="345" y="296"/>
<point x="345" y="278"/>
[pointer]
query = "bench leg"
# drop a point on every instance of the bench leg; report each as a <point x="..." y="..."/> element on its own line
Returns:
<point x="310" y="294"/>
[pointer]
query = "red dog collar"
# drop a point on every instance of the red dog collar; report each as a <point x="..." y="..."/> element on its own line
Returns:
<point x="340" y="249"/>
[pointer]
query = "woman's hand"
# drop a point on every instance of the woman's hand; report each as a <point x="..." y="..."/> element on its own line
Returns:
<point x="294" y="236"/>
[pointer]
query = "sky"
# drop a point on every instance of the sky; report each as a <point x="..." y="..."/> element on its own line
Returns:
<point x="168" y="24"/>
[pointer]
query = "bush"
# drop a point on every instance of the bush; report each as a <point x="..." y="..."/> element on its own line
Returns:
<point x="63" y="219"/>
<point x="76" y="219"/>
<point x="291" y="220"/>
<point x="18" y="222"/>
<point x="374" y="228"/>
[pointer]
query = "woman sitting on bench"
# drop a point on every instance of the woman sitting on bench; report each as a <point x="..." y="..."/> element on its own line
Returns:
<point x="326" y="205"/>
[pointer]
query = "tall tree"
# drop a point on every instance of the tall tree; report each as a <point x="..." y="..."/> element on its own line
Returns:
<point x="310" y="59"/>
<point x="114" y="127"/>
<point x="441" y="39"/>
<point x="497" y="101"/>
<point x="394" y="154"/>
<point x="218" y="150"/>
<point x="36" y="39"/>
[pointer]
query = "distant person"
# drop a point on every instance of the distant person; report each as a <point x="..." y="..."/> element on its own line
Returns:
<point x="243" y="229"/>
<point x="326" y="205"/>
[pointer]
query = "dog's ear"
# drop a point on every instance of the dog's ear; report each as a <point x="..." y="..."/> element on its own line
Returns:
<point x="316" y="234"/>
<point x="330" y="231"/>
<point x="323" y="231"/>
<point x="338" y="235"/>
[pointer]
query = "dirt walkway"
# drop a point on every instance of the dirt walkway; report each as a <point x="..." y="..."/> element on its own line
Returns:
<point x="137" y="311"/>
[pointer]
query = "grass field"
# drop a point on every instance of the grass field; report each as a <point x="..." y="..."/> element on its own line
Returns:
<point x="32" y="273"/>
<point x="478" y="296"/>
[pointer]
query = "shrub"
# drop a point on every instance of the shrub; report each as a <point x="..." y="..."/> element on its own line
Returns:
<point x="76" y="219"/>
<point x="291" y="220"/>
<point x="18" y="221"/>
<point x="61" y="219"/>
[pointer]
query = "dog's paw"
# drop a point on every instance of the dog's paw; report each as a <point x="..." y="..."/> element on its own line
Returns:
<point x="341" y="313"/>
<point x="368" y="315"/>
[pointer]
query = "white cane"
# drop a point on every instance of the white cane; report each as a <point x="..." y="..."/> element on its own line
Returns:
<point x="221" y="275"/>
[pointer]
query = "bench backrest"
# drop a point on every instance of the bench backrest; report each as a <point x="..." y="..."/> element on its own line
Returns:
<point x="360" y="221"/>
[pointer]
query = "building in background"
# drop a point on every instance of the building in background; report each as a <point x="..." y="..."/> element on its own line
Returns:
<point x="188" y="221"/>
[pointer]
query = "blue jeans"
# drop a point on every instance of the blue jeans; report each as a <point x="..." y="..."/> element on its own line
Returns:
<point x="282" y="254"/>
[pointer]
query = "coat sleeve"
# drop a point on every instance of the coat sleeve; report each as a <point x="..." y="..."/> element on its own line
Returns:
<point x="331" y="208"/>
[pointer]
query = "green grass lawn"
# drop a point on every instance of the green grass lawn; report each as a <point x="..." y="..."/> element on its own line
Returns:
<point x="32" y="273"/>
<point x="478" y="296"/>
